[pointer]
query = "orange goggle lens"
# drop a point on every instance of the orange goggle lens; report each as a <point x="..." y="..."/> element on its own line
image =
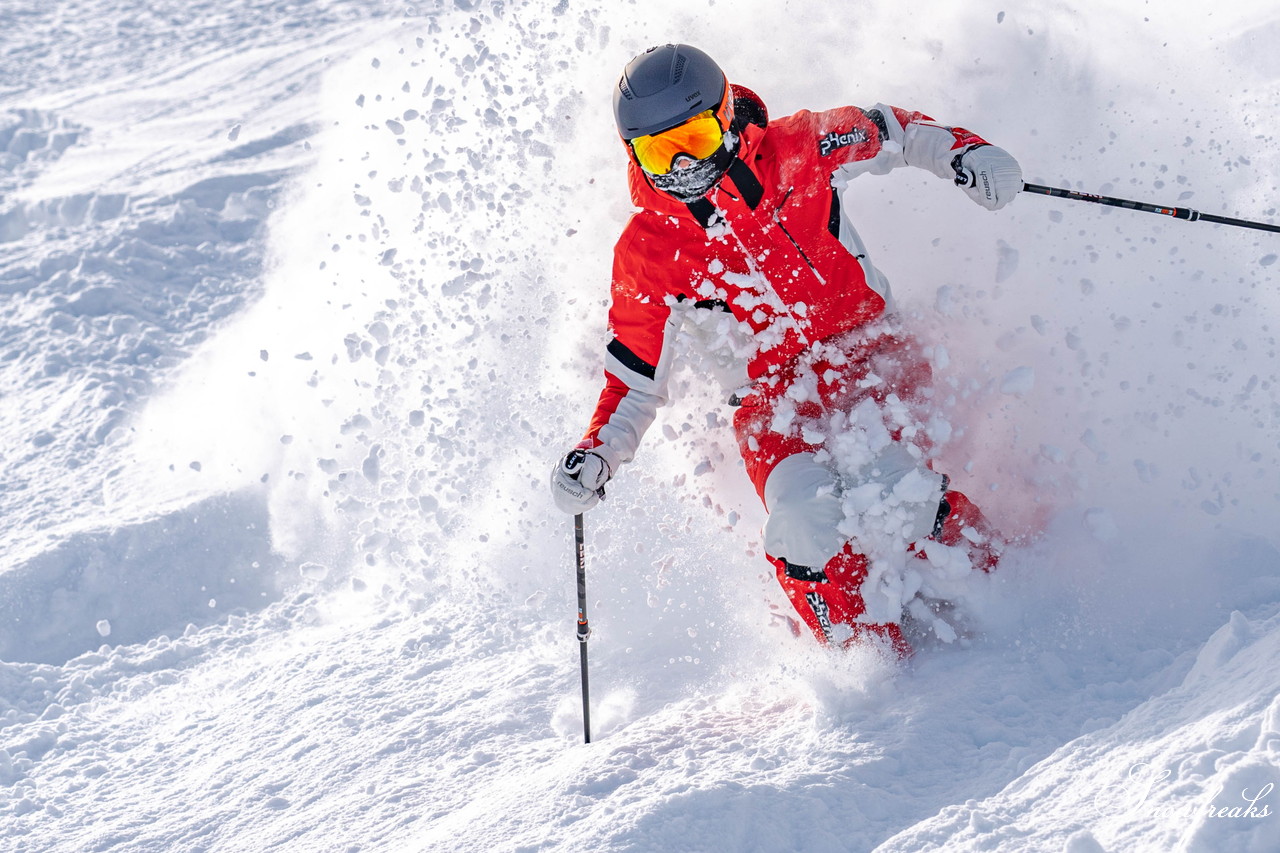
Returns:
<point x="699" y="137"/>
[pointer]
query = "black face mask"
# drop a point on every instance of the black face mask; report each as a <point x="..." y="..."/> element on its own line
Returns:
<point x="693" y="182"/>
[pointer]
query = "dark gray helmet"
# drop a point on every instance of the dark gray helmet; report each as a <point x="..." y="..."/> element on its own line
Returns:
<point x="663" y="86"/>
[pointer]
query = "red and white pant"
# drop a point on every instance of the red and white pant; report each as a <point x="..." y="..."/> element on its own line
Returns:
<point x="782" y="427"/>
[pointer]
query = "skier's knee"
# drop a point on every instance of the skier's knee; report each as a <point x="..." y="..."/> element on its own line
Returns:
<point x="805" y="512"/>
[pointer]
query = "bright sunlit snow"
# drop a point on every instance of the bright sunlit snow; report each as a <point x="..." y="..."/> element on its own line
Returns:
<point x="302" y="301"/>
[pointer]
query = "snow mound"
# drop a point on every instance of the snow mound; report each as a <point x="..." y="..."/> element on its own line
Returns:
<point x="1194" y="769"/>
<point x="190" y="566"/>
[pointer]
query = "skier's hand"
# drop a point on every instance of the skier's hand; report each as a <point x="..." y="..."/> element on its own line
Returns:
<point x="988" y="174"/>
<point x="577" y="482"/>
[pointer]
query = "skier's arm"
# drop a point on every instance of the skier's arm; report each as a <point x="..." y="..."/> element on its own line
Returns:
<point x="989" y="175"/>
<point x="637" y="365"/>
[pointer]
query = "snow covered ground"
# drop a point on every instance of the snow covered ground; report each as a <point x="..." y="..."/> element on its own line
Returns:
<point x="300" y="301"/>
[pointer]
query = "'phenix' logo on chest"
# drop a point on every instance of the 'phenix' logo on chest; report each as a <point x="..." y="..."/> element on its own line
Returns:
<point x="835" y="140"/>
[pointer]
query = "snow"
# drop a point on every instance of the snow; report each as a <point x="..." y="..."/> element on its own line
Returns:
<point x="1020" y="380"/>
<point x="301" y="303"/>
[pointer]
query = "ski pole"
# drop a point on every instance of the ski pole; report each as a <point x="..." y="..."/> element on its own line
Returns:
<point x="1175" y="212"/>
<point x="584" y="629"/>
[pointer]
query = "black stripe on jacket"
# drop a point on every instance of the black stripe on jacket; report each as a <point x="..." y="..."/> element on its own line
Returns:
<point x="630" y="360"/>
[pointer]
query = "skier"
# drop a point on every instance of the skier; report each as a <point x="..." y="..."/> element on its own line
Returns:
<point x="739" y="213"/>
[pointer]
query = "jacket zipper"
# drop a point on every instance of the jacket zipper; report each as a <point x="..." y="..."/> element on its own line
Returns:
<point x="777" y="218"/>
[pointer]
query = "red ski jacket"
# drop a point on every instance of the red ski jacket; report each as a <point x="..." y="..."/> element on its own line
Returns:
<point x="769" y="243"/>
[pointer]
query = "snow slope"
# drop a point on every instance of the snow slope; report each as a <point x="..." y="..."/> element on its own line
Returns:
<point x="301" y="301"/>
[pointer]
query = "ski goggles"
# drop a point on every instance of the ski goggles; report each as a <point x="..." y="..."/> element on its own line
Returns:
<point x="697" y="137"/>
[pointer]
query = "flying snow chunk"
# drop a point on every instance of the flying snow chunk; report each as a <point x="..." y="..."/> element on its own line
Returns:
<point x="944" y="301"/>
<point x="1053" y="453"/>
<point x="1020" y="380"/>
<point x="1090" y="440"/>
<point x="1101" y="525"/>
<point x="1267" y="260"/>
<point x="370" y="468"/>
<point x="915" y="487"/>
<point x="104" y="628"/>
<point x="1006" y="260"/>
<point x="313" y="571"/>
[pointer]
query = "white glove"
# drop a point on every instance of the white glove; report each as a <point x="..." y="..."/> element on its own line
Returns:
<point x="988" y="174"/>
<point x="577" y="482"/>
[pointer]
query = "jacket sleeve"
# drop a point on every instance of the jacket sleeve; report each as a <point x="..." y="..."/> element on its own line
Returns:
<point x="638" y="357"/>
<point x="927" y="144"/>
<point x="912" y="139"/>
